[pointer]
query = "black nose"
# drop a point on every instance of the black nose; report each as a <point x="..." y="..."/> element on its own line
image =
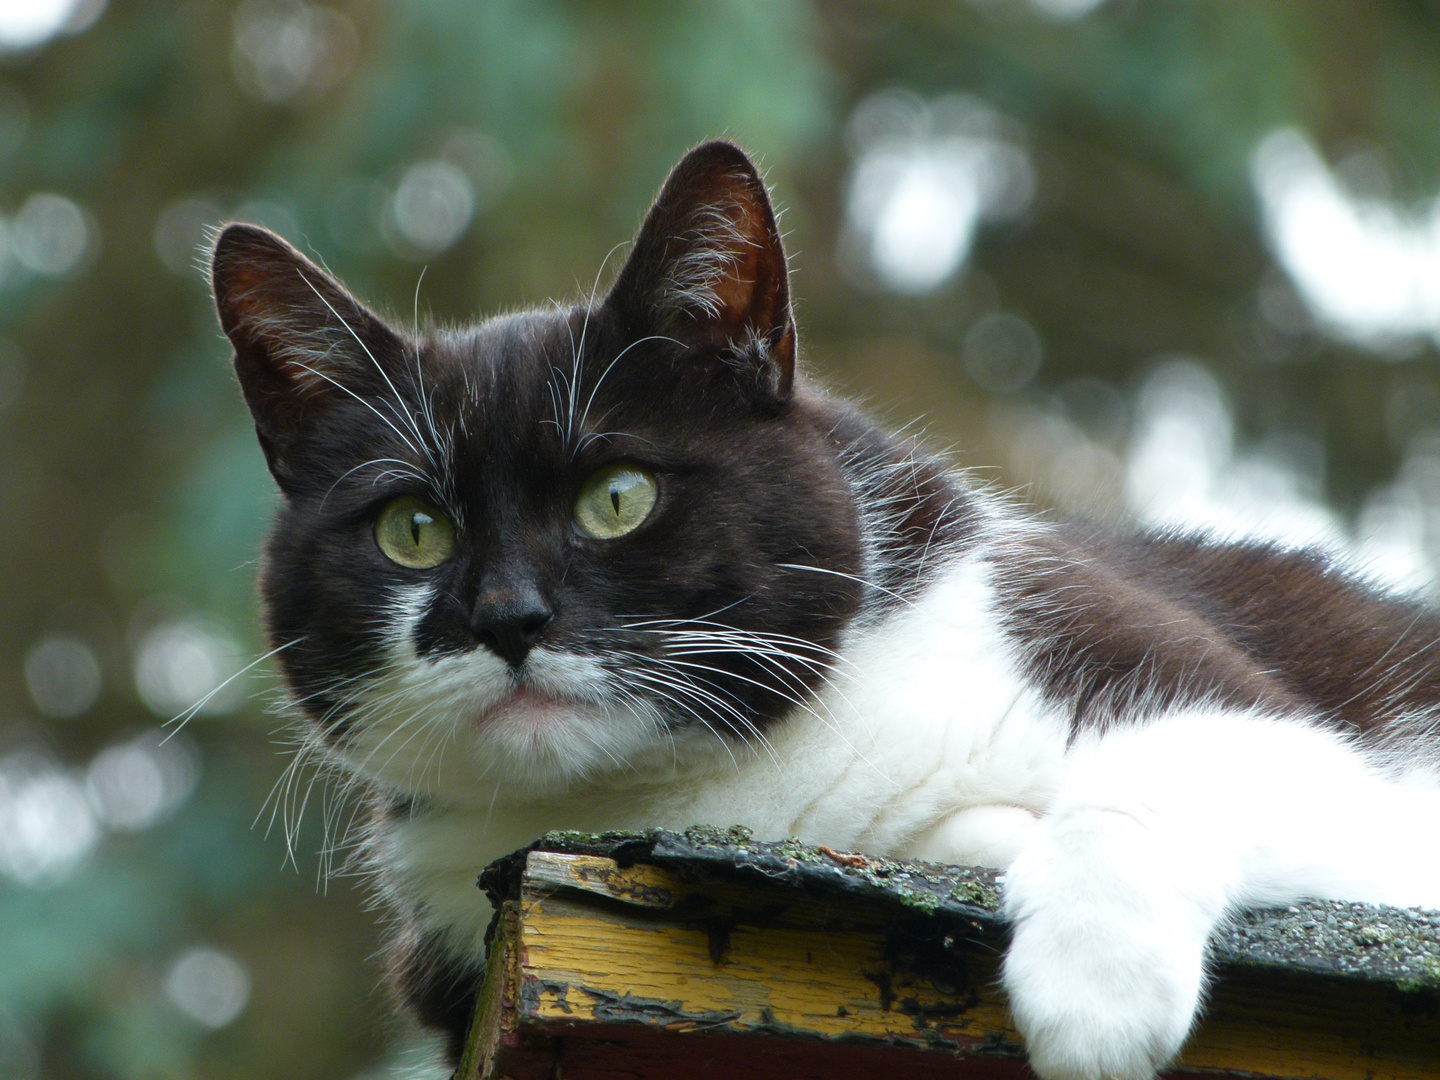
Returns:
<point x="510" y="621"/>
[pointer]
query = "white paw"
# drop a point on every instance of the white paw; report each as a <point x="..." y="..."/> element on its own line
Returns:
<point x="1104" y="979"/>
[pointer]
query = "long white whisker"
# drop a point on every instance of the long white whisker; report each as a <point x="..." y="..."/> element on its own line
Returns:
<point x="849" y="577"/>
<point x="579" y="353"/>
<point x="708" y="693"/>
<point x="667" y="687"/>
<point x="585" y="412"/>
<point x="797" y="699"/>
<point x="383" y="418"/>
<point x="189" y="714"/>
<point x="359" y="341"/>
<point x="407" y="471"/>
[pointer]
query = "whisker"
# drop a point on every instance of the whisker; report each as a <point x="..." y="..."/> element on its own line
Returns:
<point x="383" y="419"/>
<point x="850" y="577"/>
<point x="359" y="341"/>
<point x="187" y="715"/>
<point x="584" y="414"/>
<point x="406" y="471"/>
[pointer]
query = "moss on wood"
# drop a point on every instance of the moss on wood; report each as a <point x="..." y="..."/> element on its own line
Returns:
<point x="1346" y="940"/>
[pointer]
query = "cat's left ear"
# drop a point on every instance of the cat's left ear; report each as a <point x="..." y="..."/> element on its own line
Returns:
<point x="709" y="270"/>
<point x="302" y="342"/>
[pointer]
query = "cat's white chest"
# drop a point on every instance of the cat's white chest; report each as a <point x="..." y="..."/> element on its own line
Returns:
<point x="926" y="715"/>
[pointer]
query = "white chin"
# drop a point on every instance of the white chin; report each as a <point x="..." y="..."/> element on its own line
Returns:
<point x="548" y="748"/>
<point x="460" y="728"/>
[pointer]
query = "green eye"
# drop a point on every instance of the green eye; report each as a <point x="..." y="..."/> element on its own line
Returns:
<point x="615" y="501"/>
<point x="413" y="534"/>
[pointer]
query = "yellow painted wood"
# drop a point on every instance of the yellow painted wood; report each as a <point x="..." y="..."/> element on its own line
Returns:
<point x="591" y="943"/>
<point x="821" y="980"/>
<point x="641" y="885"/>
<point x="1315" y="1030"/>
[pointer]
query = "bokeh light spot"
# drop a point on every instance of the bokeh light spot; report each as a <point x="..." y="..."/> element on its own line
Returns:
<point x="926" y="174"/>
<point x="1369" y="271"/>
<point x="1002" y="352"/>
<point x="184" y="664"/>
<point x="63" y="676"/>
<point x="136" y="784"/>
<point x="46" y="824"/>
<point x="1182" y="471"/>
<point x="209" y="986"/>
<point x="51" y="235"/>
<point x="432" y="206"/>
<point x="286" y="51"/>
<point x="26" y="24"/>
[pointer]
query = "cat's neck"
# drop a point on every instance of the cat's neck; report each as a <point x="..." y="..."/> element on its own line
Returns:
<point x="915" y="513"/>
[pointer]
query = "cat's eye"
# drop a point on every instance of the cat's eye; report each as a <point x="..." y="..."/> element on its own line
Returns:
<point x="615" y="500"/>
<point x="413" y="534"/>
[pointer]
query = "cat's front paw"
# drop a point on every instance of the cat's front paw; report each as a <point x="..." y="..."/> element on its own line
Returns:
<point x="1104" y="984"/>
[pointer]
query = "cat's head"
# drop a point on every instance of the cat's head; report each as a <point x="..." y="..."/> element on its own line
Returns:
<point x="554" y="543"/>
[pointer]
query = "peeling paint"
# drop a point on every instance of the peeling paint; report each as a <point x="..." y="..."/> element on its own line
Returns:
<point x="1400" y="947"/>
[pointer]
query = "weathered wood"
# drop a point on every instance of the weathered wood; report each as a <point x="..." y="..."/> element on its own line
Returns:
<point x="706" y="954"/>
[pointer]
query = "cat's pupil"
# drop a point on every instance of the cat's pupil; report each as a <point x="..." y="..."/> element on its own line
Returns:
<point x="615" y="499"/>
<point x="416" y="521"/>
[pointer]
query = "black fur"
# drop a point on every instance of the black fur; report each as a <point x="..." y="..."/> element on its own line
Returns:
<point x="1120" y="627"/>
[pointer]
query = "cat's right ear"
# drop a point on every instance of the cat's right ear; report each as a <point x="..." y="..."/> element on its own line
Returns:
<point x="301" y="340"/>
<point x="709" y="271"/>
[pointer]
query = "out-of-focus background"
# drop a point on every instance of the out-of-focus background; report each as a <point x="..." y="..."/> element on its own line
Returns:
<point x="1175" y="264"/>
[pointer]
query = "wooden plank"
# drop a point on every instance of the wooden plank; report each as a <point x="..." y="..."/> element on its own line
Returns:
<point x="625" y="1054"/>
<point x="726" y="959"/>
<point x="602" y="967"/>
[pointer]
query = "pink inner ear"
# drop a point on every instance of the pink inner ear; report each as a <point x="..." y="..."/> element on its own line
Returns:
<point x="244" y="298"/>
<point x="708" y="268"/>
<point x="735" y="291"/>
<point x="745" y="282"/>
<point x="252" y="306"/>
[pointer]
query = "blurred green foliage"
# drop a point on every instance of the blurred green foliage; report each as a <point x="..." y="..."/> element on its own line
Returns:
<point x="131" y="491"/>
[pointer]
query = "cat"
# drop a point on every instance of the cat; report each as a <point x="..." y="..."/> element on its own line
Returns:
<point x="623" y="564"/>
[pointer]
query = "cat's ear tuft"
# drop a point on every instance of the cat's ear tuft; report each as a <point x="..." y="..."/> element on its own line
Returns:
<point x="709" y="269"/>
<point x="301" y="340"/>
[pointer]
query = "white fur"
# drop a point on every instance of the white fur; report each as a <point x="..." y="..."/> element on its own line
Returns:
<point x="1159" y="831"/>
<point x="1123" y="851"/>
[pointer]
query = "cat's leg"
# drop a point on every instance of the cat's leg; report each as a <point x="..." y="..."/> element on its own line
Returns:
<point x="437" y="987"/>
<point x="1159" y="831"/>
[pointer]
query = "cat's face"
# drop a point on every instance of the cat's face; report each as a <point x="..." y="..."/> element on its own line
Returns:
<point x="558" y="543"/>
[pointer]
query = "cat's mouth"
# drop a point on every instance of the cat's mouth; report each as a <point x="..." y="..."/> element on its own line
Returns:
<point x="526" y="705"/>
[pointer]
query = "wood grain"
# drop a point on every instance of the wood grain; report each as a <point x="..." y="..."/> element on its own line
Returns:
<point x="600" y="969"/>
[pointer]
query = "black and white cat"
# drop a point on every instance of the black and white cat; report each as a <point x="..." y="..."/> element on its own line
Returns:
<point x="622" y="565"/>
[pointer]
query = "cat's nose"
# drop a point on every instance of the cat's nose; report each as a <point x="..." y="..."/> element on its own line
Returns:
<point x="509" y="621"/>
